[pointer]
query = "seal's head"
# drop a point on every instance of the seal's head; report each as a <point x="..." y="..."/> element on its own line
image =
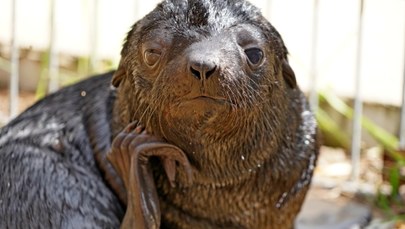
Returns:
<point x="206" y="72"/>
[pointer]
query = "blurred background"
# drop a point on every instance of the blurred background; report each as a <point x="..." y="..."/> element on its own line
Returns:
<point x="348" y="56"/>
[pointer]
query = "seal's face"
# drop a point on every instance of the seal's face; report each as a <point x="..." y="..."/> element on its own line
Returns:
<point x="193" y="68"/>
<point x="203" y="77"/>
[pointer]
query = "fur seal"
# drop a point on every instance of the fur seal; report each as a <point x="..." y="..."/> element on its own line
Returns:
<point x="212" y="78"/>
<point x="205" y="128"/>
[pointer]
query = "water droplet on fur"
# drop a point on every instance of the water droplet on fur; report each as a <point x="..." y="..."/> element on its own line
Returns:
<point x="83" y="93"/>
<point x="284" y="195"/>
<point x="306" y="142"/>
<point x="243" y="157"/>
<point x="8" y="185"/>
<point x="281" y="200"/>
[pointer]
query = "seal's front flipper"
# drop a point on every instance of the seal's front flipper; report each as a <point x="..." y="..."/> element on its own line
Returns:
<point x="130" y="154"/>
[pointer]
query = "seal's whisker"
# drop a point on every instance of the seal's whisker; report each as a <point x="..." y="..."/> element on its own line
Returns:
<point x="147" y="108"/>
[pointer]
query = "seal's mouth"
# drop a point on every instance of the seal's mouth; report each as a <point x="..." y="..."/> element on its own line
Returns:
<point x="210" y="98"/>
<point x="206" y="99"/>
<point x="203" y="97"/>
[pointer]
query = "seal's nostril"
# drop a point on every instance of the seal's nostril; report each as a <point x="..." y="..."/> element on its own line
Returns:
<point x="195" y="73"/>
<point x="210" y="72"/>
<point x="202" y="70"/>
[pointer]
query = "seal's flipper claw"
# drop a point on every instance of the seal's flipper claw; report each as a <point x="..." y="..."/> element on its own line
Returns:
<point x="170" y="169"/>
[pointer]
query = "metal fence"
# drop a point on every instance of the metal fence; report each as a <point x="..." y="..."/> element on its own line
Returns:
<point x="357" y="119"/>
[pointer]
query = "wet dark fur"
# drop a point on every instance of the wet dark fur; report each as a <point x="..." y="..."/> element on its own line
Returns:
<point x="48" y="161"/>
<point x="253" y="156"/>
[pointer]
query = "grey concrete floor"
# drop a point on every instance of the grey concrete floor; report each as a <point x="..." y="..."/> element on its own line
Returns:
<point x="331" y="202"/>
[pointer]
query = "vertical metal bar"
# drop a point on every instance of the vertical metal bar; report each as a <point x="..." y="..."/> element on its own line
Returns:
<point x="313" y="97"/>
<point x="53" y="55"/>
<point x="402" y="127"/>
<point x="268" y="8"/>
<point x="93" y="38"/>
<point x="13" y="105"/>
<point x="358" y="103"/>
<point x="136" y="9"/>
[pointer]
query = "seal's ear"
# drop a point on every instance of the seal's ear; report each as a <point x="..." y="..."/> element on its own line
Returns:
<point x="118" y="76"/>
<point x="121" y="72"/>
<point x="289" y="75"/>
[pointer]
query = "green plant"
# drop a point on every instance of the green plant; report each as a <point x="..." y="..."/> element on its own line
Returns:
<point x="66" y="77"/>
<point x="43" y="78"/>
<point x="387" y="140"/>
<point x="331" y="131"/>
<point x="5" y="64"/>
<point x="391" y="203"/>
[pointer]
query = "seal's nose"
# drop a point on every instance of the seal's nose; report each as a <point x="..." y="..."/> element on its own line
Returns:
<point x="202" y="69"/>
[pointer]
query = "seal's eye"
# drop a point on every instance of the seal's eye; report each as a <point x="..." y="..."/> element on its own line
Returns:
<point x="152" y="56"/>
<point x="255" y="55"/>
